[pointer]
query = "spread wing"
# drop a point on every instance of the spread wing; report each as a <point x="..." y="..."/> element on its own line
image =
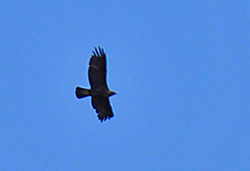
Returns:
<point x="97" y="70"/>
<point x="97" y="79"/>
<point x="103" y="107"/>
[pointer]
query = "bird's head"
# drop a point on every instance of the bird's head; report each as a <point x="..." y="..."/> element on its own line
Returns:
<point x="111" y="93"/>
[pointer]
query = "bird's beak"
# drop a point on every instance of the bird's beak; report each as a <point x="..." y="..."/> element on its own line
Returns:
<point x="111" y="93"/>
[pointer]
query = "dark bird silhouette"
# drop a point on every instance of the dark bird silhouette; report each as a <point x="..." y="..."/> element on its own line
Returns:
<point x="99" y="91"/>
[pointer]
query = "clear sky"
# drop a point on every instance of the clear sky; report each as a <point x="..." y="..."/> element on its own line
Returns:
<point x="180" y="68"/>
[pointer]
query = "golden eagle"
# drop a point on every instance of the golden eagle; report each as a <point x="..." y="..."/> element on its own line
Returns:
<point x="99" y="91"/>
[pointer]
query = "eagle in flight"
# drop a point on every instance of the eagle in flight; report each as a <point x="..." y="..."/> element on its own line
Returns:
<point x="99" y="90"/>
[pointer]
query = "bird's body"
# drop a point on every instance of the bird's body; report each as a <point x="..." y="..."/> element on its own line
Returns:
<point x="99" y="91"/>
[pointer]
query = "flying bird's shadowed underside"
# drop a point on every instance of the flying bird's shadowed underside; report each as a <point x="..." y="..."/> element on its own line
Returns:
<point x="99" y="91"/>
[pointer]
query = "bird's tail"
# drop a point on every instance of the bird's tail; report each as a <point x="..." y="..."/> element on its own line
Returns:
<point x="82" y="92"/>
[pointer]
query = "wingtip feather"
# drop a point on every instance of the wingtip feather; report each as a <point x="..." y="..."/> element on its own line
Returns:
<point x="98" y="51"/>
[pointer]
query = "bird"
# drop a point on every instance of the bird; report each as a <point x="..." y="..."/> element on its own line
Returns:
<point x="99" y="91"/>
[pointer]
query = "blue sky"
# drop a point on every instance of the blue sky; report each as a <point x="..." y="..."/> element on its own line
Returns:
<point x="180" y="68"/>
